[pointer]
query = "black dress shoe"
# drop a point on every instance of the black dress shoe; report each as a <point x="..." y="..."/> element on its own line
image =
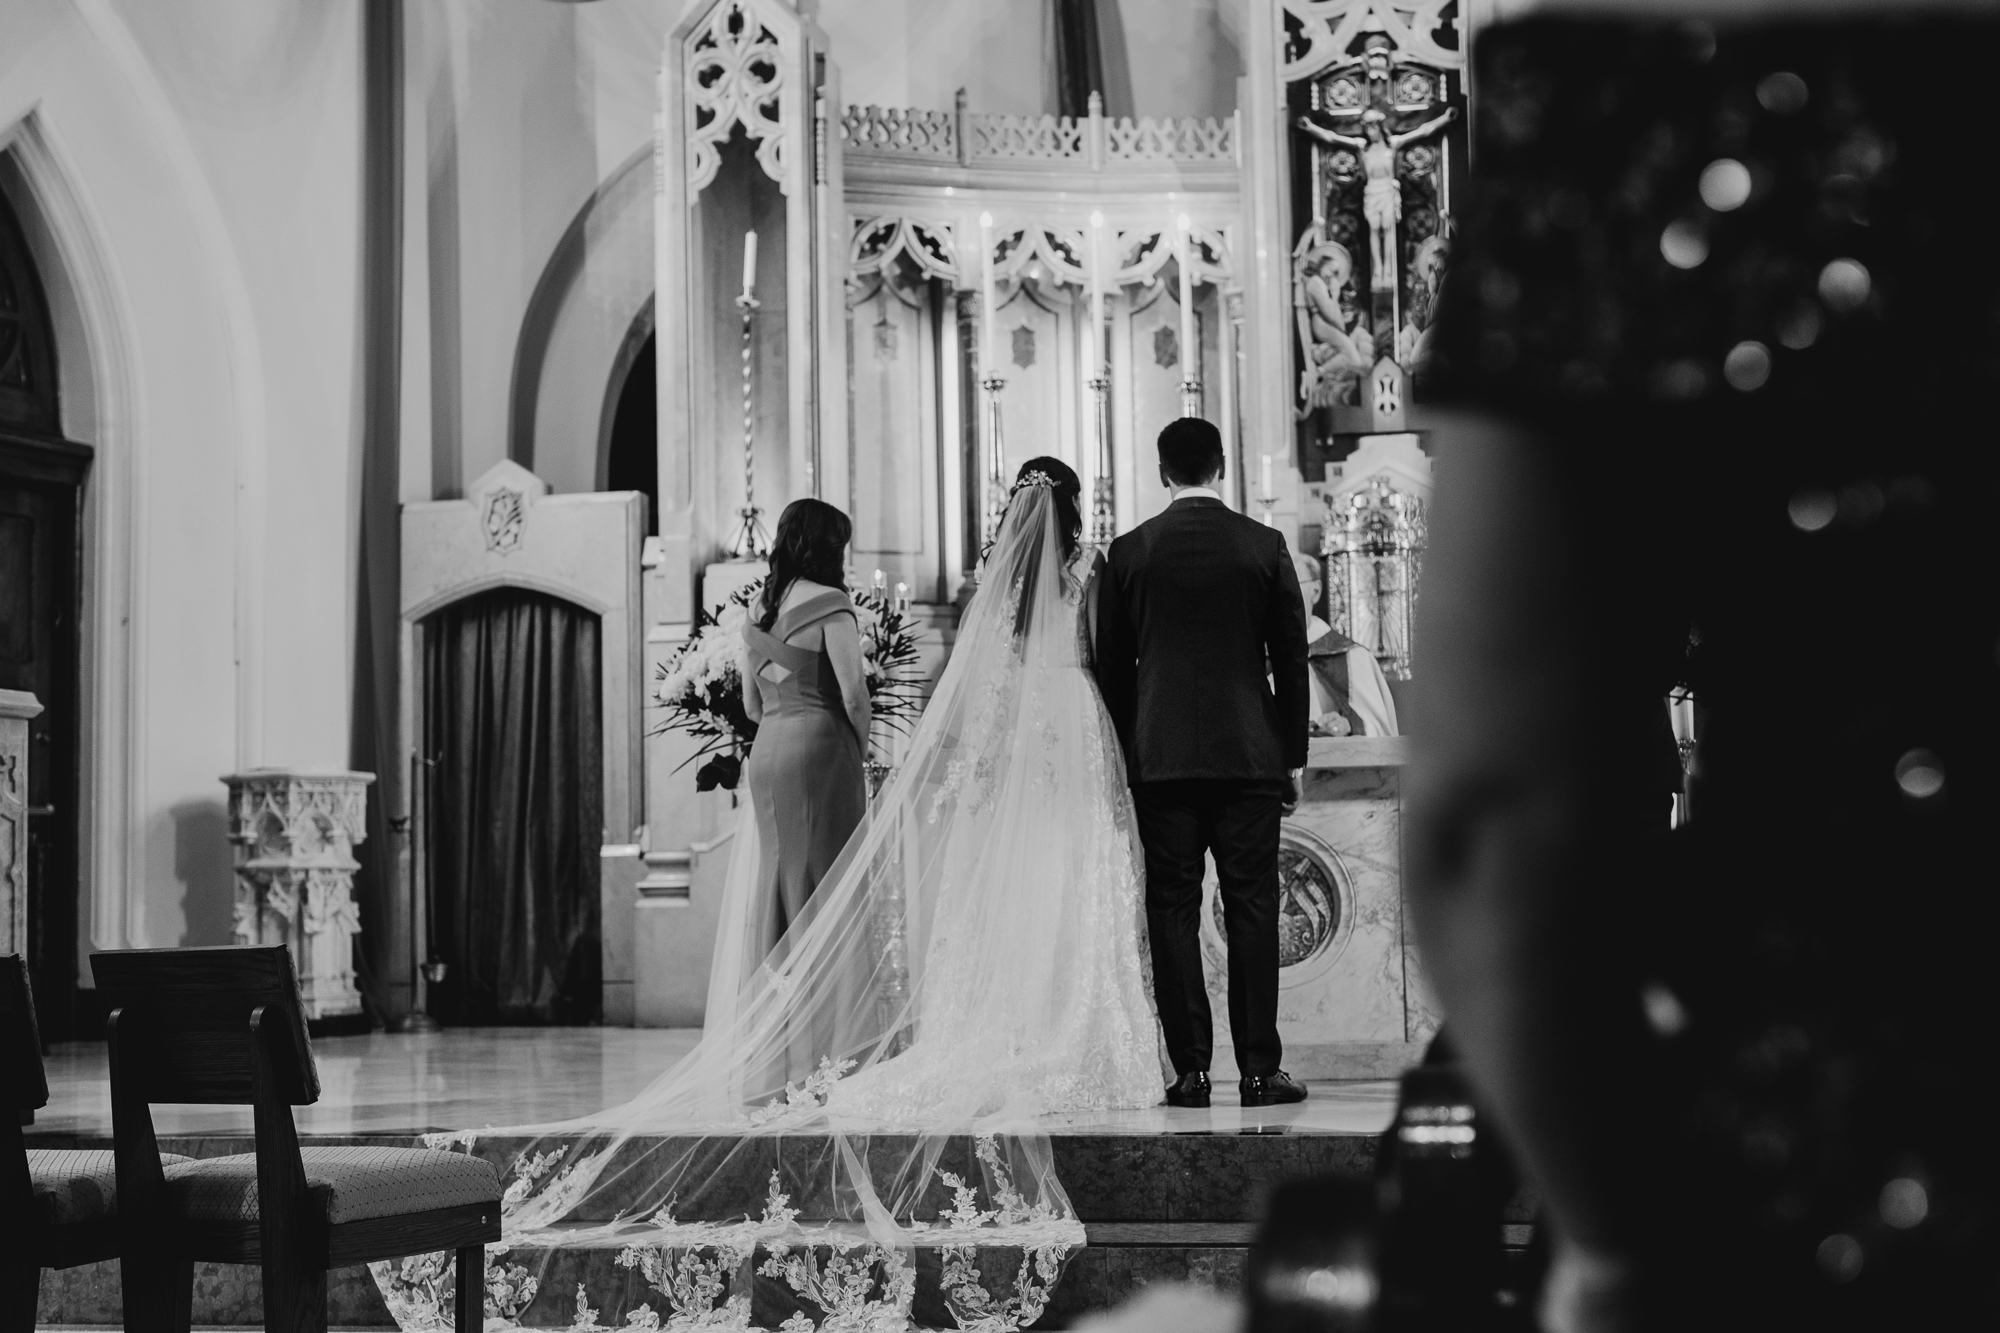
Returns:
<point x="1190" y="1090"/>
<point x="1271" y="1090"/>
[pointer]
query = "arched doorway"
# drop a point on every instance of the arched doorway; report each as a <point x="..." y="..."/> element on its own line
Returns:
<point x="632" y="454"/>
<point x="513" y="804"/>
<point x="42" y="476"/>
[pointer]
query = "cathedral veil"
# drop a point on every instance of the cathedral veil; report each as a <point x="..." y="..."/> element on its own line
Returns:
<point x="832" y="1140"/>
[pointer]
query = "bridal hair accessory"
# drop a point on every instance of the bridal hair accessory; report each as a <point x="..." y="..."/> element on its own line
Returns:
<point x="1036" y="478"/>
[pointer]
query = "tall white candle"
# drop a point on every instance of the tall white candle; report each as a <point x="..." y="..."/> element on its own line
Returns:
<point x="1096" y="295"/>
<point x="989" y="352"/>
<point x="1190" y="350"/>
<point x="749" y="262"/>
<point x="1266" y="493"/>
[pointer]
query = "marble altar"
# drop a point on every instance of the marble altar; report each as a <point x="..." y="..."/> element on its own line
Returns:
<point x="1352" y="1002"/>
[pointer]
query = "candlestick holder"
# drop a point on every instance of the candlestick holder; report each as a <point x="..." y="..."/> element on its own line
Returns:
<point x="996" y="453"/>
<point x="752" y="541"/>
<point x="1104" y="494"/>
<point x="1190" y="397"/>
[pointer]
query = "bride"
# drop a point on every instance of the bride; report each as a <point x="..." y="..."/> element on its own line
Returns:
<point x="973" y="961"/>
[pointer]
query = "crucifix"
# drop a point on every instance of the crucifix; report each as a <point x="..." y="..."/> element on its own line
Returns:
<point x="1382" y="192"/>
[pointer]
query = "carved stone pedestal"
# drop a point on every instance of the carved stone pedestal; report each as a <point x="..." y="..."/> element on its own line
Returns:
<point x="294" y="832"/>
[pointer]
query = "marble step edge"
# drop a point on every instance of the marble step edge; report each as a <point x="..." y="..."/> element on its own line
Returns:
<point x="1110" y="1178"/>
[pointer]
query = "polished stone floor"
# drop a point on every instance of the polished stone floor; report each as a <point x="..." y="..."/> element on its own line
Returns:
<point x="471" y="1078"/>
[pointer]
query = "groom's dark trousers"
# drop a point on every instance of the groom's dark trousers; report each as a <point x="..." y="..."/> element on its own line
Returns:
<point x="1201" y="658"/>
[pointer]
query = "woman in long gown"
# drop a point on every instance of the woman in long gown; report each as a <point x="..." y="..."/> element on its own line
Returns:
<point x="973" y="962"/>
<point x="803" y="686"/>
<point x="1036" y="995"/>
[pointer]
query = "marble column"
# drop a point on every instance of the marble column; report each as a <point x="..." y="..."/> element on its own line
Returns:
<point x="294" y="832"/>
<point x="17" y="709"/>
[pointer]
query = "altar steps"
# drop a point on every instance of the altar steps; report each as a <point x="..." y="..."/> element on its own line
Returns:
<point x="1155" y="1207"/>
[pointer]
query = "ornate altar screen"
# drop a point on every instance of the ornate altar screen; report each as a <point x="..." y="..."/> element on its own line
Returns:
<point x="984" y="251"/>
<point x="1375" y="99"/>
<point x="1376" y="96"/>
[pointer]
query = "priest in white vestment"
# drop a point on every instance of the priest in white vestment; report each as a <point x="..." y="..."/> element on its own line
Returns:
<point x="1350" y="695"/>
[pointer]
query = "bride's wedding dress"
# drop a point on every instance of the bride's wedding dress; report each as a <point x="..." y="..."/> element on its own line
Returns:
<point x="1037" y="998"/>
<point x="974" y="961"/>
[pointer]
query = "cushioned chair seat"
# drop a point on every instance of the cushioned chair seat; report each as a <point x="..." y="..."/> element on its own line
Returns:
<point x="359" y="1183"/>
<point x="74" y="1185"/>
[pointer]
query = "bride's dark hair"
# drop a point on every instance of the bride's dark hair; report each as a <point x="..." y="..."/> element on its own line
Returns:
<point x="1068" y="497"/>
<point x="812" y="534"/>
<point x="1058" y="478"/>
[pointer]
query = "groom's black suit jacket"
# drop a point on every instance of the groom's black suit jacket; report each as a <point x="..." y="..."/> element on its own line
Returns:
<point x="1195" y="606"/>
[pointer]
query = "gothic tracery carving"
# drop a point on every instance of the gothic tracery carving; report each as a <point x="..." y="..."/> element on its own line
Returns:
<point x="878" y="241"/>
<point x="936" y="136"/>
<point x="736" y="75"/>
<point x="1321" y="31"/>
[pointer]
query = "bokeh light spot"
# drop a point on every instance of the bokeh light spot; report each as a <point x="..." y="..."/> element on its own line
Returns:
<point x="1747" y="366"/>
<point x="1812" y="510"/>
<point x="1725" y="184"/>
<point x="1904" y="1203"/>
<point x="1664" y="1012"/>
<point x="1684" y="246"/>
<point x="1800" y="328"/>
<point x="1679" y="381"/>
<point x="1920" y="774"/>
<point x="1840" y="1257"/>
<point x="1844" y="284"/>
<point x="1784" y="93"/>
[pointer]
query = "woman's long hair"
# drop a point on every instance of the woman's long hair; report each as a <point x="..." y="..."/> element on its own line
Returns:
<point x="812" y="537"/>
<point x="1065" y="490"/>
<point x="1069" y="496"/>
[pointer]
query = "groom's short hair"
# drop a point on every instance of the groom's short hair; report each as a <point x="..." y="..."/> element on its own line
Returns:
<point x="1191" y="451"/>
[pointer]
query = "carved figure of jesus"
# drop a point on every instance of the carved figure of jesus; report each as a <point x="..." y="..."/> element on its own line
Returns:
<point x="1382" y="193"/>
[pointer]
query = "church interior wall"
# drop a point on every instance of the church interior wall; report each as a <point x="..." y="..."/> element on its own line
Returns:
<point x="593" y="289"/>
<point x="208" y="169"/>
<point x="1184" y="55"/>
<point x="510" y="139"/>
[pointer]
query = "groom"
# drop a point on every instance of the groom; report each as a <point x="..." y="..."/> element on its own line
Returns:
<point x="1201" y="657"/>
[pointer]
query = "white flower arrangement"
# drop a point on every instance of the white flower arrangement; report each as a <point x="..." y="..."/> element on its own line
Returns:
<point x="701" y="686"/>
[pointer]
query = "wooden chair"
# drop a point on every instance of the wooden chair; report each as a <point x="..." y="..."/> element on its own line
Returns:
<point x="224" y="1026"/>
<point x="58" y="1208"/>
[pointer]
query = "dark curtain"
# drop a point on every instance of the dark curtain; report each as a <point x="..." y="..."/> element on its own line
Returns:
<point x="515" y="808"/>
<point x="1079" y="56"/>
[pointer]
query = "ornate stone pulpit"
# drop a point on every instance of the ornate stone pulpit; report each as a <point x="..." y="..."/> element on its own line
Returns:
<point x="17" y="709"/>
<point x="294" y="831"/>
